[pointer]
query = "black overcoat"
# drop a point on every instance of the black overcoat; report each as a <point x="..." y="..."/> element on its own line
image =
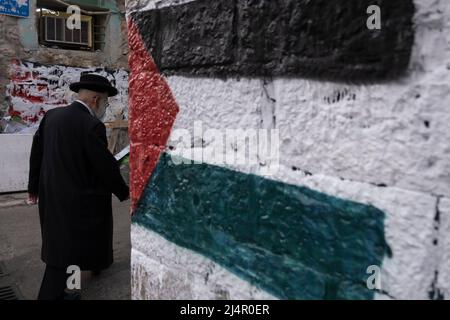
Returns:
<point x="74" y="174"/>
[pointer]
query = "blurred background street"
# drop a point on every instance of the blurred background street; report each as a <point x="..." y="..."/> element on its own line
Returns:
<point x="20" y="245"/>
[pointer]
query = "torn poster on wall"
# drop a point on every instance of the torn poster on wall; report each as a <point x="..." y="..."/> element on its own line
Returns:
<point x="36" y="88"/>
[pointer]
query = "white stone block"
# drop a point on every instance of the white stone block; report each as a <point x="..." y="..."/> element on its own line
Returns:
<point x="162" y="270"/>
<point x="444" y="248"/>
<point x="14" y="161"/>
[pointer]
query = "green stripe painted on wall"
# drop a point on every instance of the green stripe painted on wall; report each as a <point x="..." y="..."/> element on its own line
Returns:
<point x="293" y="242"/>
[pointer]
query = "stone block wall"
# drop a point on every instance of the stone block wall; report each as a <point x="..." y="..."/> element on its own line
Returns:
<point x="362" y="173"/>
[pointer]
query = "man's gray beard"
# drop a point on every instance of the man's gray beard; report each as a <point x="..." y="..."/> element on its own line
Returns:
<point x="100" y="113"/>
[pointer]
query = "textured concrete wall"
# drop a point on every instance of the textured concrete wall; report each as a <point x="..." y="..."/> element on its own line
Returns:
<point x="383" y="144"/>
<point x="14" y="161"/>
<point x="257" y="38"/>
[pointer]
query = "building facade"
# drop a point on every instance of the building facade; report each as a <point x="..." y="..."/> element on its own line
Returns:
<point x="40" y="55"/>
<point x="43" y="49"/>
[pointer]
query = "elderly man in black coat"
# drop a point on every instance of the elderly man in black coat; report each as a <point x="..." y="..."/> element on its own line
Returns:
<point x="73" y="175"/>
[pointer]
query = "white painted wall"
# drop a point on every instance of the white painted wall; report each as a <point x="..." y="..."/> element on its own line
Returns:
<point x="14" y="161"/>
<point x="385" y="144"/>
<point x="163" y="270"/>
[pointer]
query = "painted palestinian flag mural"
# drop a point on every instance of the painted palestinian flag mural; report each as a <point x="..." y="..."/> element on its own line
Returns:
<point x="205" y="226"/>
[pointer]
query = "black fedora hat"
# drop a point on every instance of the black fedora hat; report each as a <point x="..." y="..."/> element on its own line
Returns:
<point x="95" y="83"/>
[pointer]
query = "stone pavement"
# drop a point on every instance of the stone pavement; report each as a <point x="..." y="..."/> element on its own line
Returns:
<point x="20" y="243"/>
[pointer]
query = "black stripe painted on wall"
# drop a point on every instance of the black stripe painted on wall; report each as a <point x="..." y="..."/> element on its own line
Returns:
<point x="325" y="39"/>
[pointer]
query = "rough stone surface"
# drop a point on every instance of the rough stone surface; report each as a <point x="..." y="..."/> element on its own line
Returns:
<point x="15" y="162"/>
<point x="319" y="39"/>
<point x="163" y="270"/>
<point x="410" y="215"/>
<point x="442" y="287"/>
<point x="394" y="135"/>
<point x="292" y="241"/>
<point x="152" y="113"/>
<point x="409" y="229"/>
<point x="215" y="103"/>
<point x="170" y="34"/>
<point x="375" y="134"/>
<point x="384" y="145"/>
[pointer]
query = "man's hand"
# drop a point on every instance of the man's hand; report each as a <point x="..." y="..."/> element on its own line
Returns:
<point x="32" y="199"/>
